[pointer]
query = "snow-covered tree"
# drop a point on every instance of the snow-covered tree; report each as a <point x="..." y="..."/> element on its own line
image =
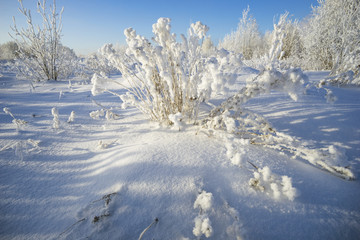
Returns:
<point x="41" y="54"/>
<point x="8" y="51"/>
<point x="332" y="38"/>
<point x="292" y="43"/>
<point x="246" y="39"/>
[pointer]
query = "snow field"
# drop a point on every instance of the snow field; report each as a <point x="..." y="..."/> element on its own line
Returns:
<point x="110" y="178"/>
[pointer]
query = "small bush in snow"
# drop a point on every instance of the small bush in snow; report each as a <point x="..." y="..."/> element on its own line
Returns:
<point x="41" y="56"/>
<point x="167" y="77"/>
<point x="266" y="181"/>
<point x="18" y="122"/>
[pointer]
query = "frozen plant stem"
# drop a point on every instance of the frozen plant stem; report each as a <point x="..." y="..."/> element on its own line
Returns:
<point x="143" y="232"/>
<point x="17" y="122"/>
<point x="56" y="121"/>
<point x="71" y="117"/>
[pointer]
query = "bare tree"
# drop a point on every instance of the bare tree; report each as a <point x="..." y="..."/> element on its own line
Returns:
<point x="40" y="49"/>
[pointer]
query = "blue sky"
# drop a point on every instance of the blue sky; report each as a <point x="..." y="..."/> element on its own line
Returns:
<point x="88" y="24"/>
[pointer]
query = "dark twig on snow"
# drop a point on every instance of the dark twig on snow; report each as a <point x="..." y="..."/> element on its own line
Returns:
<point x="256" y="167"/>
<point x="66" y="230"/>
<point x="106" y="197"/>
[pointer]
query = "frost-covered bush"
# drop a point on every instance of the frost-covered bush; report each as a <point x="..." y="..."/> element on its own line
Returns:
<point x="41" y="55"/>
<point x="234" y="118"/>
<point x="8" y="51"/>
<point x="266" y="181"/>
<point x="332" y="39"/>
<point x="168" y="81"/>
<point x="285" y="42"/>
<point x="18" y="122"/>
<point x="98" y="63"/>
<point x="167" y="77"/>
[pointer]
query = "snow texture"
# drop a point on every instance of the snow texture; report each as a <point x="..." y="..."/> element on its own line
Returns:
<point x="99" y="178"/>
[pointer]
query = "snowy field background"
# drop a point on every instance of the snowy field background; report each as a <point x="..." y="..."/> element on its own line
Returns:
<point x="110" y="179"/>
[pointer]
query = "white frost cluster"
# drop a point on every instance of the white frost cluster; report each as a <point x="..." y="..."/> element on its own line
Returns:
<point x="107" y="113"/>
<point x="202" y="226"/>
<point x="18" y="122"/>
<point x="234" y="118"/>
<point x="71" y="117"/>
<point x="97" y="114"/>
<point x="235" y="150"/>
<point x="268" y="182"/>
<point x="98" y="82"/>
<point x="176" y="120"/>
<point x="203" y="202"/>
<point x="55" y="113"/>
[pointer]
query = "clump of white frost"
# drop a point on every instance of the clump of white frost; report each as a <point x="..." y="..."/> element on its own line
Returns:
<point x="176" y="120"/>
<point x="97" y="114"/>
<point x="108" y="114"/>
<point x="128" y="100"/>
<point x="71" y="117"/>
<point x="55" y="113"/>
<point x="204" y="203"/>
<point x="266" y="181"/>
<point x="236" y="150"/>
<point x="288" y="190"/>
<point x="98" y="82"/>
<point x="104" y="145"/>
<point x="202" y="226"/>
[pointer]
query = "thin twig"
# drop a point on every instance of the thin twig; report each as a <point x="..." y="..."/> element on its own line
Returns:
<point x="143" y="232"/>
<point x="83" y="219"/>
<point x="256" y="167"/>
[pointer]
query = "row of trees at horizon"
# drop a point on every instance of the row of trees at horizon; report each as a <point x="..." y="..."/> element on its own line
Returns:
<point x="329" y="39"/>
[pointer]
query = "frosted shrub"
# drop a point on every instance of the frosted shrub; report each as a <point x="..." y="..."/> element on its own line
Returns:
<point x="97" y="63"/>
<point x="41" y="56"/>
<point x="266" y="181"/>
<point x="332" y="40"/>
<point x="233" y="117"/>
<point x="167" y="77"/>
<point x="8" y="51"/>
<point x="18" y="122"/>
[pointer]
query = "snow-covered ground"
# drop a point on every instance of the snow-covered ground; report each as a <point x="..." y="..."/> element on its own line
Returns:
<point x="110" y="179"/>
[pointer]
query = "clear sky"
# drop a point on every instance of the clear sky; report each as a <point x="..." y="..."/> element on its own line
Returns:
<point x="88" y="24"/>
